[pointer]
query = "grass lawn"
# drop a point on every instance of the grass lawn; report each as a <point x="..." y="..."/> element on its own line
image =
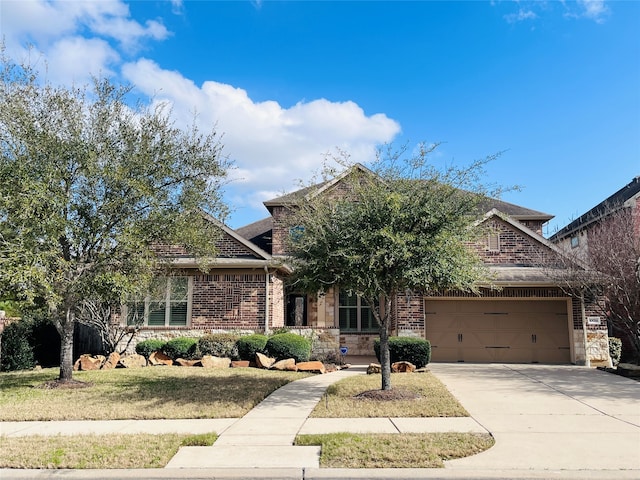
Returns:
<point x="92" y="451"/>
<point x="384" y="450"/>
<point x="435" y="400"/>
<point x="144" y="393"/>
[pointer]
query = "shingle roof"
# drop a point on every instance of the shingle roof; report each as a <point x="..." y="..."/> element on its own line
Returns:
<point x="609" y="205"/>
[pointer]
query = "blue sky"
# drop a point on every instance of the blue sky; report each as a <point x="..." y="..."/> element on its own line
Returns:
<point x="556" y="85"/>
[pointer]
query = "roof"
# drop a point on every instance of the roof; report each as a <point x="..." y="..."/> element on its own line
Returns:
<point x="258" y="233"/>
<point x="609" y="205"/>
<point x="513" y="210"/>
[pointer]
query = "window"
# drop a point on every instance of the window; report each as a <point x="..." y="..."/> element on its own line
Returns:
<point x="168" y="304"/>
<point x="575" y="241"/>
<point x="493" y="242"/>
<point x="355" y="315"/>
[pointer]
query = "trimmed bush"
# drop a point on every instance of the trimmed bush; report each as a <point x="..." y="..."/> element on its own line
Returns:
<point x="408" y="349"/>
<point x="17" y="351"/>
<point x="218" y="345"/>
<point x="249" y="345"/>
<point x="615" y="350"/>
<point x="181" y="347"/>
<point x="147" y="347"/>
<point x="288" y="345"/>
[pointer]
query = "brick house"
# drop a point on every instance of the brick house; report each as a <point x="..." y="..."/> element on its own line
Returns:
<point x="527" y="319"/>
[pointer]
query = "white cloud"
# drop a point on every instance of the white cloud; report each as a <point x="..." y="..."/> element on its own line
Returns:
<point x="520" y="16"/>
<point x="73" y="60"/>
<point x="594" y="9"/>
<point x="272" y="145"/>
<point x="47" y="24"/>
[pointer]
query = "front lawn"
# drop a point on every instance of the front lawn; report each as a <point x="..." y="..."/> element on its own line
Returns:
<point x="144" y="393"/>
<point x="95" y="451"/>
<point x="434" y="398"/>
<point x="392" y="450"/>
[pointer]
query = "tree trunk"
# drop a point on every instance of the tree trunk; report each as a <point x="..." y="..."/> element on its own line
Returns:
<point x="66" y="329"/>
<point x="385" y="358"/>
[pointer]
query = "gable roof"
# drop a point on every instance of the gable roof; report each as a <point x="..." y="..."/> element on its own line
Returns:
<point x="611" y="204"/>
<point x="515" y="211"/>
<point x="258" y="233"/>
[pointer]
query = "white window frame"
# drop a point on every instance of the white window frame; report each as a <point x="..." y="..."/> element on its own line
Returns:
<point x="148" y="300"/>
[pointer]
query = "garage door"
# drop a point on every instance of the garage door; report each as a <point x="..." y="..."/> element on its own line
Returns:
<point x="523" y="331"/>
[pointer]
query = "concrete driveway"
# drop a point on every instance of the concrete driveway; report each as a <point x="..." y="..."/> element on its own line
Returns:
<point x="547" y="417"/>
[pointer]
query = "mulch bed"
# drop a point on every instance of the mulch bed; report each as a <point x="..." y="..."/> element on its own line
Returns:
<point x="388" y="395"/>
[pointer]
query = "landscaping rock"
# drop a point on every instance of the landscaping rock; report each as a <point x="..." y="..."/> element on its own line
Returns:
<point x="402" y="367"/>
<point x="159" y="358"/>
<point x="314" y="367"/>
<point x="262" y="361"/>
<point x="629" y="369"/>
<point x="209" y="361"/>
<point x="87" y="362"/>
<point x="288" y="365"/>
<point x="183" y="362"/>
<point x="240" y="363"/>
<point x="374" y="368"/>
<point x="111" y="362"/>
<point x="133" y="361"/>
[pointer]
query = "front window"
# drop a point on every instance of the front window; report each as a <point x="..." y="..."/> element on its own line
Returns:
<point x="168" y="304"/>
<point x="355" y="315"/>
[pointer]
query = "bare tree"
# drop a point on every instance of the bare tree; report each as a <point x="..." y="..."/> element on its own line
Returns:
<point x="608" y="268"/>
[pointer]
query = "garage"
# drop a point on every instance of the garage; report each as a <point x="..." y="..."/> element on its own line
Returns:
<point x="503" y="331"/>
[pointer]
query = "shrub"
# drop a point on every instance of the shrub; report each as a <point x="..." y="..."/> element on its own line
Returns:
<point x="288" y="345"/>
<point x="409" y="349"/>
<point x="219" y="345"/>
<point x="249" y="345"/>
<point x="17" y="351"/>
<point x="147" y="347"/>
<point x="181" y="347"/>
<point x="615" y="350"/>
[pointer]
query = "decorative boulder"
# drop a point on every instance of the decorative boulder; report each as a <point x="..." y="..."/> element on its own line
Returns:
<point x="87" y="362"/>
<point x="159" y="358"/>
<point x="239" y="363"/>
<point x="288" y="365"/>
<point x="133" y="361"/>
<point x="314" y="367"/>
<point x="402" y="367"/>
<point x="374" y="368"/>
<point x="209" y="361"/>
<point x="111" y="361"/>
<point x="262" y="361"/>
<point x="187" y="363"/>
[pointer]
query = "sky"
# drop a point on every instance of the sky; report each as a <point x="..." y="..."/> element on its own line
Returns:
<point x="553" y="85"/>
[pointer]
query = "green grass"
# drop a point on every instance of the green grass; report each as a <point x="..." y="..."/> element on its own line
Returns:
<point x="95" y="451"/>
<point x="435" y="400"/>
<point x="145" y="393"/>
<point x="424" y="450"/>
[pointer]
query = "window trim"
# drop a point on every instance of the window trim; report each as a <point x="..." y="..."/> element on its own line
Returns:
<point x="359" y="308"/>
<point x="493" y="241"/>
<point x="167" y="305"/>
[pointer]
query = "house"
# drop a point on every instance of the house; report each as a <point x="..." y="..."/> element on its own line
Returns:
<point x="528" y="319"/>
<point x="608" y="238"/>
<point x="575" y="235"/>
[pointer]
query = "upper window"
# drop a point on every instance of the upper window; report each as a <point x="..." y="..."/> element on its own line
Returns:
<point x="355" y="315"/>
<point x="493" y="242"/>
<point x="168" y="304"/>
<point x="575" y="241"/>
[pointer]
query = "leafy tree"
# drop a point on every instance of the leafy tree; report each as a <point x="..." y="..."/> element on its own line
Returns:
<point x="88" y="187"/>
<point x="397" y="227"/>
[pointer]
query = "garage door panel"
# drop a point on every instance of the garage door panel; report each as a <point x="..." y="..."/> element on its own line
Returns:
<point x="498" y="330"/>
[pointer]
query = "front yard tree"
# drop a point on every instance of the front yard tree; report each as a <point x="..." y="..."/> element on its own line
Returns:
<point x="88" y="186"/>
<point x="399" y="228"/>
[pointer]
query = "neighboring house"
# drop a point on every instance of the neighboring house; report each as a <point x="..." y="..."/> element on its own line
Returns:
<point x="521" y="317"/>
<point x="604" y="221"/>
<point x="575" y="236"/>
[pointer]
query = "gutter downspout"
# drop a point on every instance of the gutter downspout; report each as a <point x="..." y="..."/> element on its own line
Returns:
<point x="266" y="300"/>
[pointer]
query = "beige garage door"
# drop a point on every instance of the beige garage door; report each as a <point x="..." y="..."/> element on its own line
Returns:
<point x="523" y="331"/>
